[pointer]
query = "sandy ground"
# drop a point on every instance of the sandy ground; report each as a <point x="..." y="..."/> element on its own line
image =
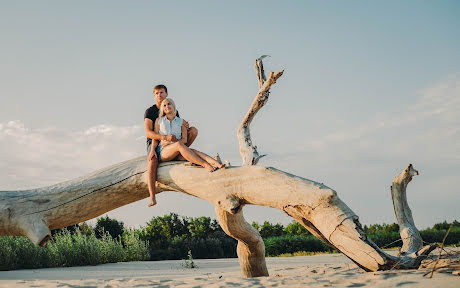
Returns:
<point x="333" y="270"/>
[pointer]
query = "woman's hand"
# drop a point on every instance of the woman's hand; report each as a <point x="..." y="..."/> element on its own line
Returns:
<point x="170" y="138"/>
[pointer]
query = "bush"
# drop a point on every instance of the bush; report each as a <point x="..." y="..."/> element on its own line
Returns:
<point x="269" y="230"/>
<point x="213" y="246"/>
<point x="20" y="253"/>
<point x="294" y="228"/>
<point x="136" y="249"/>
<point x="393" y="239"/>
<point x="386" y="240"/>
<point x="432" y="235"/>
<point x="444" y="225"/>
<point x="166" y="227"/>
<point x="112" y="226"/>
<point x="275" y="246"/>
<point x="381" y="228"/>
<point x="111" y="250"/>
<point x="67" y="249"/>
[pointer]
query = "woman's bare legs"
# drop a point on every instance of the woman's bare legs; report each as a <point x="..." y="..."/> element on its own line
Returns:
<point x="209" y="159"/>
<point x="171" y="151"/>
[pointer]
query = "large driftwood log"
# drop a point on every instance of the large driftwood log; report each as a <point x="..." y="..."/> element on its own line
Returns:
<point x="317" y="207"/>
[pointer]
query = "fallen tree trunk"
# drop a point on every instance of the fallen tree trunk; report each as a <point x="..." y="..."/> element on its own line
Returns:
<point x="317" y="207"/>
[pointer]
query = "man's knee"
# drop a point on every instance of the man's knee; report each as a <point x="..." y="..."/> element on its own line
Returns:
<point x="192" y="132"/>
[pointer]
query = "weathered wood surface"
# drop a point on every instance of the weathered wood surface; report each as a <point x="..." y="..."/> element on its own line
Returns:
<point x="412" y="241"/>
<point x="248" y="151"/>
<point x="314" y="205"/>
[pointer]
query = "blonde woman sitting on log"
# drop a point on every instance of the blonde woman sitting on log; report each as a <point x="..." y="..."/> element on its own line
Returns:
<point x="168" y="123"/>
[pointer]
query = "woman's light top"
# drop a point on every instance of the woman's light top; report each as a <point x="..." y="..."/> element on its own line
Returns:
<point x="173" y="127"/>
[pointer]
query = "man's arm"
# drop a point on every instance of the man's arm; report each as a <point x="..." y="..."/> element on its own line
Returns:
<point x="183" y="140"/>
<point x="150" y="133"/>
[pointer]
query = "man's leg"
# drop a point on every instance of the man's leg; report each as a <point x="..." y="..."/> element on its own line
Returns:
<point x="152" y="178"/>
<point x="192" y="133"/>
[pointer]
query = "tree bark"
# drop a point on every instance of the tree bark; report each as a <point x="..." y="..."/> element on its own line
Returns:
<point x="251" y="248"/>
<point x="248" y="151"/>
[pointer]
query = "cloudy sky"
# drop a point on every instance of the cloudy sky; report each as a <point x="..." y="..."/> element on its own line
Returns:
<point x="368" y="88"/>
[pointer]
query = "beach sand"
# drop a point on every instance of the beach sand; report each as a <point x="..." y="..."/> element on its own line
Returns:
<point x="327" y="270"/>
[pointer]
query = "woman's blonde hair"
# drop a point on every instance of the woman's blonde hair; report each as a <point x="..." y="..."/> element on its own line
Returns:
<point x="162" y="113"/>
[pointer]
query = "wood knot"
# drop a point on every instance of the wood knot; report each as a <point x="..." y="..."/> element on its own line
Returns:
<point x="10" y="212"/>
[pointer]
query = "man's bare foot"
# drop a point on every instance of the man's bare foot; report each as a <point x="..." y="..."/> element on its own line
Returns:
<point x="152" y="202"/>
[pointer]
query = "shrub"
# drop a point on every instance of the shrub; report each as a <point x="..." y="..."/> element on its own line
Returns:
<point x="381" y="228"/>
<point x="275" y="246"/>
<point x="432" y="235"/>
<point x="295" y="228"/>
<point x="112" y="226"/>
<point x="135" y="248"/>
<point x="111" y="250"/>
<point x="188" y="263"/>
<point x="67" y="249"/>
<point x="269" y="230"/>
<point x="166" y="227"/>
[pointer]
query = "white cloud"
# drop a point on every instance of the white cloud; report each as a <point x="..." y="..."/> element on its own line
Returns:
<point x="37" y="157"/>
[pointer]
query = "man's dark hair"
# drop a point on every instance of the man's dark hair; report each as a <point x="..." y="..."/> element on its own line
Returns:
<point x="160" y="86"/>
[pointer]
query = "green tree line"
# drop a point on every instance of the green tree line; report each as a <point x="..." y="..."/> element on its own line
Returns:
<point x="172" y="237"/>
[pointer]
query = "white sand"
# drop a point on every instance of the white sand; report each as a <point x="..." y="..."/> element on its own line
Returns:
<point x="333" y="270"/>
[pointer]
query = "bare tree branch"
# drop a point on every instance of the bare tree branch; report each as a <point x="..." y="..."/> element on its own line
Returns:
<point x="248" y="151"/>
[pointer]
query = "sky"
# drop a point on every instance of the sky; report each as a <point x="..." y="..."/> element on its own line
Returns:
<point x="368" y="88"/>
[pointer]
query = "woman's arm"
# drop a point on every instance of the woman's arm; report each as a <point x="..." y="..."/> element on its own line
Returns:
<point x="183" y="128"/>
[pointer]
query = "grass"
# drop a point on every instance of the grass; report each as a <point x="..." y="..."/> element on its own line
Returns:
<point x="67" y="249"/>
<point x="188" y="263"/>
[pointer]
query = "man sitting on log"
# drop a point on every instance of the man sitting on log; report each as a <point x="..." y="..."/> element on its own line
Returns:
<point x="160" y="92"/>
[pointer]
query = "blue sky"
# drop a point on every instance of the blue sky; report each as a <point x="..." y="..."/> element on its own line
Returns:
<point x="368" y="88"/>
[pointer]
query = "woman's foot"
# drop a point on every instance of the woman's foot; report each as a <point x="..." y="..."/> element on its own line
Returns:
<point x="209" y="167"/>
<point x="152" y="202"/>
<point x="217" y="164"/>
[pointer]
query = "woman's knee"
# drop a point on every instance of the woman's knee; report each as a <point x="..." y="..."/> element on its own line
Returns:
<point x="181" y="146"/>
<point x="176" y="144"/>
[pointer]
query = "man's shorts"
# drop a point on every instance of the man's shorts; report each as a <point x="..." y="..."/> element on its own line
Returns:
<point x="157" y="151"/>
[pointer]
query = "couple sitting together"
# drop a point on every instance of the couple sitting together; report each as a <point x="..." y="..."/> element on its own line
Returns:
<point x="169" y="138"/>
